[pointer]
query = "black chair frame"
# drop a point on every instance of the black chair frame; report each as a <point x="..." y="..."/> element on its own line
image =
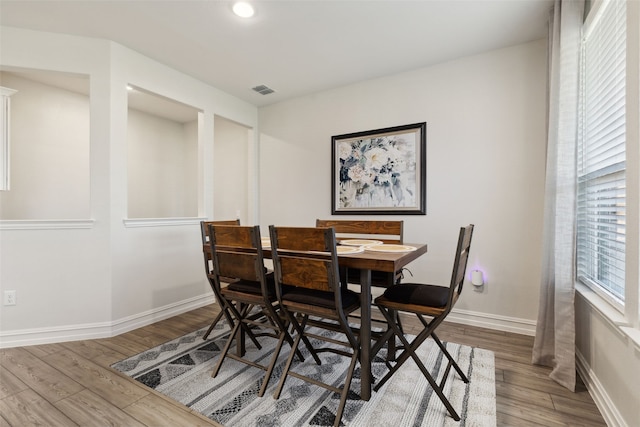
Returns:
<point x="206" y="249"/>
<point x="249" y="299"/>
<point x="400" y="300"/>
<point x="308" y="285"/>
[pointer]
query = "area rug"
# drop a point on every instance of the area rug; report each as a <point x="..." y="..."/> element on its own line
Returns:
<point x="181" y="369"/>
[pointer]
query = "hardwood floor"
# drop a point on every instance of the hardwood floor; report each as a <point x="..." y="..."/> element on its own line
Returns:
<point x="72" y="384"/>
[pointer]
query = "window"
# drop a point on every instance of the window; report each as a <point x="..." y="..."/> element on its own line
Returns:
<point x="601" y="222"/>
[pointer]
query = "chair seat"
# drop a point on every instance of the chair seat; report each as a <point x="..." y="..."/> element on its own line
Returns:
<point x="418" y="294"/>
<point x="251" y="287"/>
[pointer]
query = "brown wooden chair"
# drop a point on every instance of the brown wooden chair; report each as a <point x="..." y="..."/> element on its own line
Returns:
<point x="206" y="251"/>
<point x="236" y="254"/>
<point x="308" y="284"/>
<point x="384" y="231"/>
<point x="434" y="302"/>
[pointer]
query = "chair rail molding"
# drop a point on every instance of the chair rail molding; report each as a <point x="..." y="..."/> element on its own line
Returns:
<point x="161" y="222"/>
<point x="46" y="224"/>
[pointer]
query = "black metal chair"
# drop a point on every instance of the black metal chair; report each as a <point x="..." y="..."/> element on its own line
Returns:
<point x="423" y="300"/>
<point x="308" y="285"/>
<point x="206" y="251"/>
<point x="250" y="298"/>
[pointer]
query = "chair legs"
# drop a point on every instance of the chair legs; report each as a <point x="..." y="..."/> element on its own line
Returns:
<point x="410" y="352"/>
<point x="242" y="321"/>
<point x="283" y="336"/>
<point x="225" y="350"/>
<point x="294" y="347"/>
<point x="236" y="326"/>
<point x="213" y="325"/>
<point x="222" y="312"/>
<point x="343" y="391"/>
<point x="276" y="352"/>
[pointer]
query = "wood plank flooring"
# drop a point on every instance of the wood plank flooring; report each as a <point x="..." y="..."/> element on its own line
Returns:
<point x="71" y="384"/>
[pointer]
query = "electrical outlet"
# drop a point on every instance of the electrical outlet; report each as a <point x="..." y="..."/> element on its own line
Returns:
<point x="9" y="297"/>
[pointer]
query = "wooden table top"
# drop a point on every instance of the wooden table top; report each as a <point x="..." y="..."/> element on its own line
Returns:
<point x="379" y="261"/>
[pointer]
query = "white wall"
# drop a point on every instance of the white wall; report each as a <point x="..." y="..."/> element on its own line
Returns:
<point x="485" y="165"/>
<point x="61" y="275"/>
<point x="609" y="363"/>
<point x="104" y="274"/>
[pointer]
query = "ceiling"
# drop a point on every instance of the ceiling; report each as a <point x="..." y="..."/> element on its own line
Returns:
<point x="295" y="47"/>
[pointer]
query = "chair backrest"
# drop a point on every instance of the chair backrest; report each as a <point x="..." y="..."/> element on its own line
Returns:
<point x="206" y="247"/>
<point x="236" y="253"/>
<point x="460" y="263"/>
<point x="385" y="231"/>
<point x="305" y="257"/>
<point x="204" y="227"/>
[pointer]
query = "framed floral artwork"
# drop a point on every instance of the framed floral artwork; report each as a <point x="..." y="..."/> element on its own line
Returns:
<point x="380" y="171"/>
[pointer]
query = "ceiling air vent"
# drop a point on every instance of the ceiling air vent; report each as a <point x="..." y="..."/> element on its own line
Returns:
<point x="263" y="90"/>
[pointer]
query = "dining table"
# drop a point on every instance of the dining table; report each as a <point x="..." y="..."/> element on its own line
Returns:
<point x="366" y="260"/>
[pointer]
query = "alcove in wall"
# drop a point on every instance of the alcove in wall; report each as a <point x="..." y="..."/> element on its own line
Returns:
<point x="162" y="156"/>
<point x="50" y="146"/>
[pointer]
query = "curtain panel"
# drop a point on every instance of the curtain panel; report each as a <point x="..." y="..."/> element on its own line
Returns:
<point x="554" y="343"/>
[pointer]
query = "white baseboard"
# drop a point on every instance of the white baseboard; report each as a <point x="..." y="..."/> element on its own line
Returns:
<point x="25" y="337"/>
<point x="493" y="321"/>
<point x="605" y="404"/>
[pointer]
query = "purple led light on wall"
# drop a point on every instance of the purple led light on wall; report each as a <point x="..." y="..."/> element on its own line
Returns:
<point x="477" y="278"/>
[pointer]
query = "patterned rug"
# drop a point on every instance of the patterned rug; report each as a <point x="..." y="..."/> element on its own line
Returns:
<point x="181" y="369"/>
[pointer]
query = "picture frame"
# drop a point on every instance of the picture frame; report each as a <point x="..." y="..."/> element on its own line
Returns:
<point x="380" y="172"/>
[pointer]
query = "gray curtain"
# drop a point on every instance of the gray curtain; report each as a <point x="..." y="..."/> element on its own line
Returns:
<point x="554" y="343"/>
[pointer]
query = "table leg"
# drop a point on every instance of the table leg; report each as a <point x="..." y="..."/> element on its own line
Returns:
<point x="391" y="343"/>
<point x="240" y="338"/>
<point x="365" y="334"/>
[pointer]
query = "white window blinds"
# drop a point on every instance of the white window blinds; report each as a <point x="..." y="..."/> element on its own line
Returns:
<point x="601" y="153"/>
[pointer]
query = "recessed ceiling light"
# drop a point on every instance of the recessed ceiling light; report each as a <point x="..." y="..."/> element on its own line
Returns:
<point x="243" y="9"/>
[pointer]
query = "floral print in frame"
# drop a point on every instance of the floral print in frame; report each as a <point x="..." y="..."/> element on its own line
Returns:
<point x="380" y="171"/>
